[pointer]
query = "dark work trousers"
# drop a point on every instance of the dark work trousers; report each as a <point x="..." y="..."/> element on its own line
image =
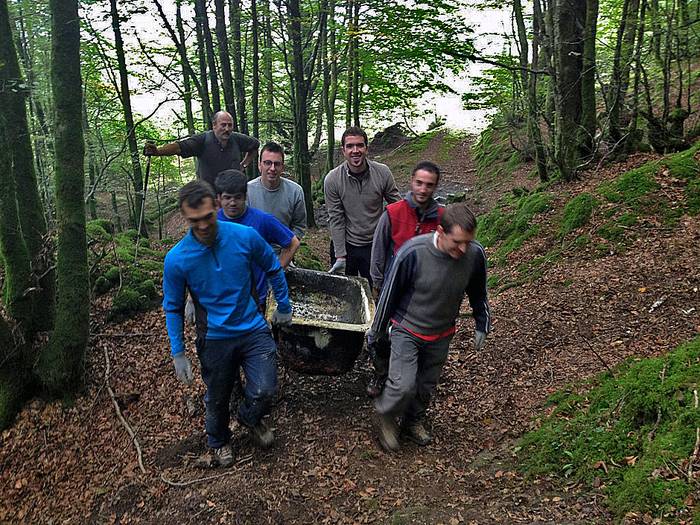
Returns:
<point x="356" y="260"/>
<point x="220" y="361"/>
<point x="414" y="370"/>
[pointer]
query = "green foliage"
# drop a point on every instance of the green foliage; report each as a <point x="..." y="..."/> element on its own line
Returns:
<point x="102" y="285"/>
<point x="577" y="213"/>
<point x="306" y="258"/>
<point x="640" y="423"/>
<point x="631" y="186"/>
<point x="96" y="232"/>
<point x="510" y="222"/>
<point x="127" y="302"/>
<point x="493" y="155"/>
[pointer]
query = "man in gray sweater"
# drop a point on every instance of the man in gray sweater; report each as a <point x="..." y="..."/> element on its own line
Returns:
<point x="355" y="193"/>
<point x="275" y="194"/>
<point x="417" y="309"/>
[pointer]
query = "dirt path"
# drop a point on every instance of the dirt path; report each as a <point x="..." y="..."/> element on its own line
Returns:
<point x="76" y="463"/>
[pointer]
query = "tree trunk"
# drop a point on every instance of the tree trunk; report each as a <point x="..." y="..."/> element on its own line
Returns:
<point x="211" y="59"/>
<point x="357" y="77"/>
<point x="267" y="68"/>
<point x="235" y="17"/>
<point x="224" y="60"/>
<point x="255" y="94"/>
<point x="350" y="64"/>
<point x="533" y="107"/>
<point x="201" y="55"/>
<point x="568" y="38"/>
<point x="621" y="67"/>
<point x="330" y="84"/>
<point x="29" y="207"/>
<point x="137" y="176"/>
<point x="61" y="365"/>
<point x="301" y="118"/>
<point x="92" y="165"/>
<point x="187" y="89"/>
<point x="588" y="79"/>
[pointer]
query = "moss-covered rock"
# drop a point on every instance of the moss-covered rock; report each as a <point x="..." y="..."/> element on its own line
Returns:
<point x="127" y="301"/>
<point x="577" y="213"/>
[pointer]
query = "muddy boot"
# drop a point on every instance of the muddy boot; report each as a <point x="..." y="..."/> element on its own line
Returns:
<point x="216" y="457"/>
<point x="387" y="432"/>
<point x="416" y="432"/>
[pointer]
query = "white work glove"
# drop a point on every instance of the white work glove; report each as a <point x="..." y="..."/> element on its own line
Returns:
<point x="281" y="319"/>
<point x="338" y="267"/>
<point x="183" y="368"/>
<point x="479" y="340"/>
<point x="189" y="310"/>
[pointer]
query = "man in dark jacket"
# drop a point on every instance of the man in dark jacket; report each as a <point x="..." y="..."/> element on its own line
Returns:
<point x="418" y="307"/>
<point x="415" y="214"/>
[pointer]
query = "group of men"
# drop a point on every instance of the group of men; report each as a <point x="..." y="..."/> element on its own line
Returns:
<point x="408" y="250"/>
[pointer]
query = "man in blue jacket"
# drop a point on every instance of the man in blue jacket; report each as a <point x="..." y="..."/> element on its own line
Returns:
<point x="231" y="187"/>
<point x="214" y="262"/>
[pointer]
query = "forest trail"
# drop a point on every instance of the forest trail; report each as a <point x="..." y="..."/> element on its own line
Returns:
<point x="76" y="464"/>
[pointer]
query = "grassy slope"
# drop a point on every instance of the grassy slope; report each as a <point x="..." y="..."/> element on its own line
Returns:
<point x="634" y="432"/>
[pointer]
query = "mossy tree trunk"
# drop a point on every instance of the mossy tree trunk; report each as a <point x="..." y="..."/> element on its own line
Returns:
<point x="568" y="37"/>
<point x="588" y="80"/>
<point x="60" y="366"/>
<point x="32" y="224"/>
<point x="14" y="254"/>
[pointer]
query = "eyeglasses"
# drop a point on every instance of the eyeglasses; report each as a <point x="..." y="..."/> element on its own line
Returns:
<point x="276" y="163"/>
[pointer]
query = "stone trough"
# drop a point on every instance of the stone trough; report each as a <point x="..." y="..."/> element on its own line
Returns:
<point x="331" y="314"/>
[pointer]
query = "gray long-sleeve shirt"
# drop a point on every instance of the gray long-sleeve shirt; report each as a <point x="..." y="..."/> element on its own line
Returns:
<point x="286" y="203"/>
<point x="425" y="288"/>
<point x="355" y="204"/>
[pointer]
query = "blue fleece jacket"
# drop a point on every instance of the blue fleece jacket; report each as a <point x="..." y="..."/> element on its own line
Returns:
<point x="219" y="280"/>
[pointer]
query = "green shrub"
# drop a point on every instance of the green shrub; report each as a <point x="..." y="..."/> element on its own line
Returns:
<point x="102" y="285"/>
<point x="692" y="195"/>
<point x="95" y="232"/>
<point x="105" y="224"/>
<point x="305" y="258"/>
<point x="112" y="275"/>
<point x="127" y="301"/>
<point x="577" y="212"/>
<point x="148" y="289"/>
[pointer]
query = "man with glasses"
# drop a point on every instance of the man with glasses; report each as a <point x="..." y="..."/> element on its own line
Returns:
<point x="417" y="310"/>
<point x="277" y="195"/>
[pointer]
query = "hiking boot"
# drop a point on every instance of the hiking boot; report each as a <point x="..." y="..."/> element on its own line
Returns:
<point x="375" y="386"/>
<point x="262" y="436"/>
<point x="216" y="457"/>
<point x="387" y="432"/>
<point x="416" y="432"/>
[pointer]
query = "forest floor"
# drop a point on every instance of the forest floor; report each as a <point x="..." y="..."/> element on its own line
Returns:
<point x="75" y="463"/>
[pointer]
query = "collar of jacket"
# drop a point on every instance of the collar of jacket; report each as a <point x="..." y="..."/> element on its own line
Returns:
<point x="431" y="210"/>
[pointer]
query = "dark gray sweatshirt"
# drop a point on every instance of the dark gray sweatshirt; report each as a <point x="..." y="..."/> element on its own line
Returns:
<point x="425" y="288"/>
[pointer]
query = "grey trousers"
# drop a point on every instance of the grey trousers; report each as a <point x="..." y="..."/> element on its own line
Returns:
<point x="414" y="370"/>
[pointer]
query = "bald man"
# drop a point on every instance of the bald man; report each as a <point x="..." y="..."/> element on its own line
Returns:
<point x="217" y="150"/>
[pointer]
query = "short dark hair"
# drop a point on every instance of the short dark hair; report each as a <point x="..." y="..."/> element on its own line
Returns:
<point x="426" y="165"/>
<point x="458" y="214"/>
<point x="231" y="182"/>
<point x="272" y="147"/>
<point x="193" y="193"/>
<point x="353" y="131"/>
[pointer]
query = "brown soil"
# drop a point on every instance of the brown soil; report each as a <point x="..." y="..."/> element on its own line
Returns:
<point x="75" y="463"/>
